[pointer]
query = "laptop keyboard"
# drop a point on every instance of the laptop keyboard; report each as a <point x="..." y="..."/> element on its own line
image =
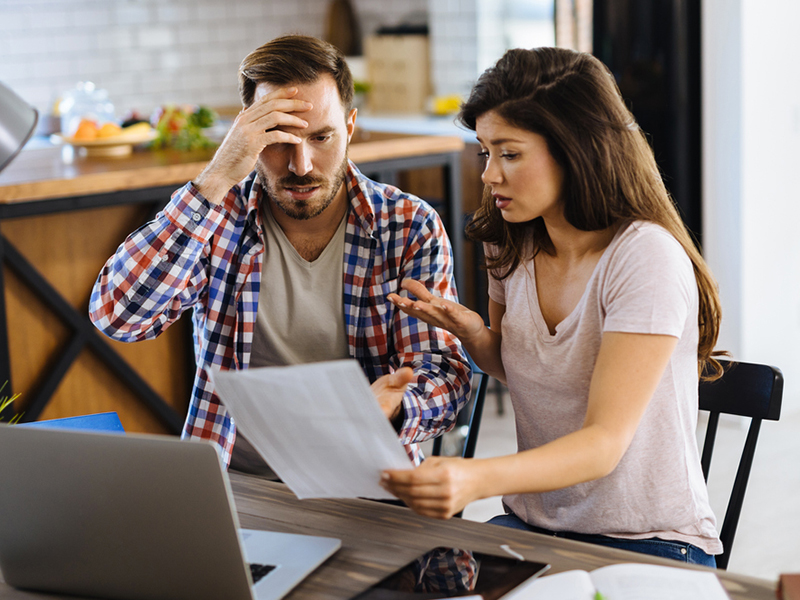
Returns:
<point x="259" y="571"/>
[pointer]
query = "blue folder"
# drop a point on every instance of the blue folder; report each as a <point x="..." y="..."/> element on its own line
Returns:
<point x="108" y="422"/>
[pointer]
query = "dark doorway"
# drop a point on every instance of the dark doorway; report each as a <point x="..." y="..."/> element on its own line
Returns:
<point x="653" y="49"/>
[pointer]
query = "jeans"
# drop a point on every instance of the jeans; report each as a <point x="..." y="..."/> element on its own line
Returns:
<point x="686" y="553"/>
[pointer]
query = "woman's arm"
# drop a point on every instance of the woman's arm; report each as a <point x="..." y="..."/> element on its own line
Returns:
<point x="626" y="374"/>
<point x="481" y="342"/>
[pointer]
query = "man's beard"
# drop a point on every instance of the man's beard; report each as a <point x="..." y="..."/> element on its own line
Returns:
<point x="303" y="210"/>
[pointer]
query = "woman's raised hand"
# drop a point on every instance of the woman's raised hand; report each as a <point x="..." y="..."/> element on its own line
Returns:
<point x="434" y="310"/>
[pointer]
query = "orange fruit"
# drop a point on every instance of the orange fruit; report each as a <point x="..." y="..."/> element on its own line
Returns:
<point x="109" y="130"/>
<point x="87" y="130"/>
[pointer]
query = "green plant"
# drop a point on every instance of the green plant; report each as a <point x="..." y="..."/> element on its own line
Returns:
<point x="5" y="401"/>
<point x="361" y="87"/>
<point x="181" y="127"/>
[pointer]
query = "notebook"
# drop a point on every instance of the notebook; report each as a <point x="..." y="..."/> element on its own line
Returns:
<point x="107" y="421"/>
<point x="135" y="517"/>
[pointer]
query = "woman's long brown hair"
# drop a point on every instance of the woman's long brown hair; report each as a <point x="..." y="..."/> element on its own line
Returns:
<point x="610" y="174"/>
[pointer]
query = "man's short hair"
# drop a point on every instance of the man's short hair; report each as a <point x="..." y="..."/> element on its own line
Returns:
<point x="294" y="59"/>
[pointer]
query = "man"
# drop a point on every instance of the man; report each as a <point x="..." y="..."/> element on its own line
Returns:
<point x="286" y="253"/>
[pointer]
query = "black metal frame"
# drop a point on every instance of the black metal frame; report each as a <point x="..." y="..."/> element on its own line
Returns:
<point x="83" y="332"/>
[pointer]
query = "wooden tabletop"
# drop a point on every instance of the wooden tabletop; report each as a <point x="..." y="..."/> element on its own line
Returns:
<point x="58" y="172"/>
<point x="377" y="539"/>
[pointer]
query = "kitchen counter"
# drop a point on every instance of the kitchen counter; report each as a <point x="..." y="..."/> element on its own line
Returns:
<point x="54" y="172"/>
<point x="415" y="124"/>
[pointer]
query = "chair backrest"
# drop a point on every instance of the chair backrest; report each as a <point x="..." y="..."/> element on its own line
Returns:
<point x="747" y="390"/>
<point x="474" y="411"/>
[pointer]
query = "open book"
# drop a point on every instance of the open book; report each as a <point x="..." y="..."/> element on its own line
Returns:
<point x="625" y="582"/>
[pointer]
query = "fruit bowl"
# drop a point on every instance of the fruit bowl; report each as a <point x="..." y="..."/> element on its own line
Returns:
<point x="116" y="145"/>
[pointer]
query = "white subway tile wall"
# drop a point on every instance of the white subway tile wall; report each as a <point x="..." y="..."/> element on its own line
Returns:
<point x="454" y="45"/>
<point x="152" y="52"/>
<point x="492" y="38"/>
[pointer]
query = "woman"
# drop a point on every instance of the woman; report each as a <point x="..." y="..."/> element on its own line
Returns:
<point x="601" y="313"/>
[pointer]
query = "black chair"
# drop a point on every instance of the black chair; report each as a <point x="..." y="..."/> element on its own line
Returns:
<point x="470" y="415"/>
<point x="747" y="390"/>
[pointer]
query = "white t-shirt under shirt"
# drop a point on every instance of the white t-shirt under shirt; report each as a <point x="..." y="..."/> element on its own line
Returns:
<point x="643" y="283"/>
<point x="300" y="306"/>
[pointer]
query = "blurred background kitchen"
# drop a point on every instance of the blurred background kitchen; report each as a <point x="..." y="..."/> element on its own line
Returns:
<point x="714" y="83"/>
<point x="151" y="52"/>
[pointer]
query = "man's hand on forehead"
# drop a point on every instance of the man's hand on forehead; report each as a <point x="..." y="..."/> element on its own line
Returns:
<point x="264" y="123"/>
<point x="278" y="109"/>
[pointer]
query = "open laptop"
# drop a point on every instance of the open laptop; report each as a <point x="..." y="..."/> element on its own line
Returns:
<point x="135" y="517"/>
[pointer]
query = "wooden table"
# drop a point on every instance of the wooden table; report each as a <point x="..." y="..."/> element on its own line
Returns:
<point x="378" y="538"/>
<point x="62" y="216"/>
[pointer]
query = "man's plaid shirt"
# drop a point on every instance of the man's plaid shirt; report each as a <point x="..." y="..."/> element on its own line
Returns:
<point x="206" y="257"/>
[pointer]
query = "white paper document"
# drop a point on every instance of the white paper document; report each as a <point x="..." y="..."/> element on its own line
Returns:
<point x="318" y="426"/>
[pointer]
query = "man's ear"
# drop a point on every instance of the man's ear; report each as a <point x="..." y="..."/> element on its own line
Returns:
<point x="350" y="123"/>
